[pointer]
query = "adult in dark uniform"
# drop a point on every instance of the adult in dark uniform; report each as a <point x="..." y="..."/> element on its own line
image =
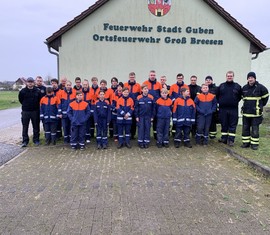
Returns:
<point x="255" y="97"/>
<point x="228" y="95"/>
<point x="30" y="97"/>
<point x="40" y="86"/>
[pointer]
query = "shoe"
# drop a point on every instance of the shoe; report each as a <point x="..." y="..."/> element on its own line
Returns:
<point x="177" y="145"/>
<point x="88" y="141"/>
<point x="146" y="146"/>
<point x="187" y="145"/>
<point x="254" y="147"/>
<point x="48" y="142"/>
<point x="82" y="148"/>
<point x="128" y="145"/>
<point x="141" y="146"/>
<point x="115" y="139"/>
<point x="105" y="146"/>
<point x="245" y="145"/>
<point x="159" y="145"/>
<point x="99" y="146"/>
<point x="54" y="142"/>
<point x="230" y="143"/>
<point x="24" y="144"/>
<point x="37" y="143"/>
<point x="222" y="141"/>
<point x="119" y="146"/>
<point x="166" y="145"/>
<point x="73" y="147"/>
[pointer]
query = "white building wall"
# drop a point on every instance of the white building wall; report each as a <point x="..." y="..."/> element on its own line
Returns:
<point x="81" y="56"/>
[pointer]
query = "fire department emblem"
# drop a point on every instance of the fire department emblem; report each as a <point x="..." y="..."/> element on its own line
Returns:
<point x="159" y="7"/>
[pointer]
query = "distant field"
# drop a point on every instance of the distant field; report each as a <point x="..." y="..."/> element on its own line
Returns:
<point x="9" y="99"/>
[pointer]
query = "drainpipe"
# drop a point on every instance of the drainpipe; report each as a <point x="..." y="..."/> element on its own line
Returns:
<point x="257" y="54"/>
<point x="57" y="55"/>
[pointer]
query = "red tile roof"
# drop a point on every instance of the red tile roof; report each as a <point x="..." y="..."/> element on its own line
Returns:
<point x="54" y="40"/>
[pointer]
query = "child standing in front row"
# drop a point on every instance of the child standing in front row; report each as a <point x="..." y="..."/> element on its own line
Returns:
<point x="78" y="113"/>
<point x="49" y="115"/>
<point x="124" y="107"/>
<point x="183" y="118"/>
<point x="163" y="114"/>
<point x="102" y="118"/>
<point x="144" y="112"/>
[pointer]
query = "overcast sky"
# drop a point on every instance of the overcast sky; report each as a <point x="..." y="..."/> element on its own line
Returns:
<point x="26" y="24"/>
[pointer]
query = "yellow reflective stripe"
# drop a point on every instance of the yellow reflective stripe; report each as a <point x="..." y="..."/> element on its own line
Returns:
<point x="264" y="96"/>
<point x="251" y="115"/>
<point x="246" y="141"/>
<point x="253" y="142"/>
<point x="245" y="137"/>
<point x="255" y="139"/>
<point x="224" y="133"/>
<point x="252" y="98"/>
<point x="231" y="134"/>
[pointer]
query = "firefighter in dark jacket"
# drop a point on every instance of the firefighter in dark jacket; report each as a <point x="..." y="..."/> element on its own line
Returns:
<point x="255" y="96"/>
<point x="228" y="96"/>
<point x="213" y="90"/>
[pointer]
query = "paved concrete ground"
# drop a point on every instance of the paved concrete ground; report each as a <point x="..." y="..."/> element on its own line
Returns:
<point x="53" y="190"/>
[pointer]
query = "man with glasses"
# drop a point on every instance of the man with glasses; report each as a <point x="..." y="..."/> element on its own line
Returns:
<point x="228" y="96"/>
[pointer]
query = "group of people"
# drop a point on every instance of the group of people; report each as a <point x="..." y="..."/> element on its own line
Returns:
<point x="81" y="109"/>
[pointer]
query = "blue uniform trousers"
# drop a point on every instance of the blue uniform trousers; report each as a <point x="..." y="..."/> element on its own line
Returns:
<point x="229" y="120"/>
<point x="180" y="132"/>
<point x="102" y="132"/>
<point x="50" y="129"/>
<point x="66" y="127"/>
<point x="124" y="137"/>
<point x="144" y="126"/>
<point x="77" y="135"/>
<point x="163" y="128"/>
<point x="203" y="125"/>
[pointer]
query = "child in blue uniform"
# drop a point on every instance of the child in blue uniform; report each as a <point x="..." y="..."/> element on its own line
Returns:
<point x="102" y="118"/>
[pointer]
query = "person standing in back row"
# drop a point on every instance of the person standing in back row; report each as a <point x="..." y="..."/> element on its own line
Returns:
<point x="30" y="97"/>
<point x="228" y="97"/>
<point x="255" y="97"/>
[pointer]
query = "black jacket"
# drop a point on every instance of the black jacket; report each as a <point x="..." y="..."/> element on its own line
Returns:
<point x="254" y="97"/>
<point x="30" y="98"/>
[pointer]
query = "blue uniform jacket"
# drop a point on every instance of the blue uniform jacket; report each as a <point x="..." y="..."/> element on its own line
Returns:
<point x="163" y="108"/>
<point x="78" y="112"/>
<point x="102" y="110"/>
<point x="49" y="109"/>
<point x="206" y="103"/>
<point x="144" y="106"/>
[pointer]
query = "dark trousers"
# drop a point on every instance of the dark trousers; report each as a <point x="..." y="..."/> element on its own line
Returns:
<point x="34" y="117"/>
<point x="92" y="126"/>
<point x="50" y="129"/>
<point x="133" y="126"/>
<point x="144" y="126"/>
<point x="155" y="127"/>
<point x="102" y="132"/>
<point x="213" y="125"/>
<point x="228" y="120"/>
<point x="66" y="127"/>
<point x="77" y="135"/>
<point x="203" y="125"/>
<point x="124" y="133"/>
<point x="163" y="129"/>
<point x="115" y="128"/>
<point x="182" y="132"/>
<point x="59" y="129"/>
<point x="87" y="130"/>
<point x="250" y="130"/>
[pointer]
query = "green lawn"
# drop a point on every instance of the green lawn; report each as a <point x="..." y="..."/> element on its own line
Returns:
<point x="9" y="99"/>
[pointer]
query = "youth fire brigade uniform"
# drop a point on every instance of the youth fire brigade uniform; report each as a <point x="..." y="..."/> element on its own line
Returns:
<point x="78" y="113"/>
<point x="206" y="105"/>
<point x="213" y="126"/>
<point x="134" y="92"/>
<point x="49" y="116"/>
<point x="183" y="118"/>
<point x="94" y="97"/>
<point x="254" y="98"/>
<point x="174" y="94"/>
<point x="87" y="98"/>
<point x="57" y="92"/>
<point x="77" y="88"/>
<point x="66" y="97"/>
<point x="144" y="110"/>
<point x="228" y="96"/>
<point x="125" y="106"/>
<point x="163" y="110"/>
<point x="154" y="88"/>
<point x="114" y="114"/>
<point x="102" y="118"/>
<point x="194" y="91"/>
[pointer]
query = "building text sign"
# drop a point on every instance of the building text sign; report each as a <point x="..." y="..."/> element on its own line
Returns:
<point x="168" y="35"/>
